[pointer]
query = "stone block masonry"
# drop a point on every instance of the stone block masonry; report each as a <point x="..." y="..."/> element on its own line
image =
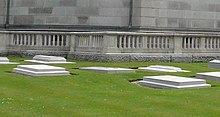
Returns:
<point x="70" y="12"/>
<point x="114" y="14"/>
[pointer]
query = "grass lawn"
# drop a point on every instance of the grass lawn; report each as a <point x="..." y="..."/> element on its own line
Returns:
<point x="103" y="95"/>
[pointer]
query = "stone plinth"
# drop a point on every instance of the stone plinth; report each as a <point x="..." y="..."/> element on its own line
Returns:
<point x="42" y="59"/>
<point x="40" y="70"/>
<point x="176" y="82"/>
<point x="159" y="68"/>
<point x="108" y="70"/>
<point x="5" y="60"/>
<point x="214" y="64"/>
<point x="209" y="76"/>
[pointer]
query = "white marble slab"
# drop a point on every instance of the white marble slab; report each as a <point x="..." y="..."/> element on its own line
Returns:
<point x="42" y="59"/>
<point x="108" y="70"/>
<point x="209" y="76"/>
<point x="214" y="64"/>
<point x="40" y="70"/>
<point x="167" y="81"/>
<point x="160" y="68"/>
<point x="5" y="60"/>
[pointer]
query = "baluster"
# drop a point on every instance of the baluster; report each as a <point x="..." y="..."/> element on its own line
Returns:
<point x="137" y="41"/>
<point x="198" y="43"/>
<point x="214" y="42"/>
<point x="133" y="41"/>
<point x="144" y="43"/>
<point x="150" y="43"/>
<point x="120" y="41"/>
<point x="218" y="43"/>
<point x="211" y="42"/>
<point x="158" y="42"/>
<point x="18" y="39"/>
<point x="129" y="41"/>
<point x="206" y="42"/>
<point x="124" y="41"/>
<point x="192" y="42"/>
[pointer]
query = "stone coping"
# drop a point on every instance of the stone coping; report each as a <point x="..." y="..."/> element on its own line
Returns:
<point x="150" y="33"/>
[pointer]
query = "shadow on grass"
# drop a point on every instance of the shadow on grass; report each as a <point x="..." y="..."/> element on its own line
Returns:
<point x="74" y="74"/>
<point x="9" y="72"/>
<point x="135" y="80"/>
<point x="75" y="68"/>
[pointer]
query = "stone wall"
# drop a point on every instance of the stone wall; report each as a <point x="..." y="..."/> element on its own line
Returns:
<point x="70" y="12"/>
<point x="179" y="14"/>
<point x="2" y="11"/>
<point x="153" y="14"/>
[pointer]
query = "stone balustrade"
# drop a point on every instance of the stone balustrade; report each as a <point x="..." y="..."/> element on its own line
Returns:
<point x="110" y="42"/>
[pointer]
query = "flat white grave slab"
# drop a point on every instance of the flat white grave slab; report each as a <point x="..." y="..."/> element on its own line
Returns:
<point x="5" y="60"/>
<point x="40" y="70"/>
<point x="160" y="68"/>
<point x="214" y="64"/>
<point x="108" y="70"/>
<point x="209" y="76"/>
<point x="176" y="82"/>
<point x="42" y="59"/>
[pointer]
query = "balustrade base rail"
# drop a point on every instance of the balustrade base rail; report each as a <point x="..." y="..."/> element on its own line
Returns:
<point x="140" y="57"/>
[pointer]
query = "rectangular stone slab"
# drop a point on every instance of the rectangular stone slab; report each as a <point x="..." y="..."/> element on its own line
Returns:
<point x="49" y="58"/>
<point x="209" y="76"/>
<point x="108" y="70"/>
<point x="160" y="68"/>
<point x="42" y="59"/>
<point x="4" y="59"/>
<point x="40" y="70"/>
<point x="165" y="86"/>
<point x="174" y="80"/>
<point x="167" y="81"/>
<point x="214" y="64"/>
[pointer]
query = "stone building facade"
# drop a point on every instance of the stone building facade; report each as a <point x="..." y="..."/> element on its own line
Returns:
<point x="146" y="14"/>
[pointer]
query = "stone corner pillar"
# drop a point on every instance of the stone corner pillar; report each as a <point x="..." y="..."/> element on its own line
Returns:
<point x="177" y="44"/>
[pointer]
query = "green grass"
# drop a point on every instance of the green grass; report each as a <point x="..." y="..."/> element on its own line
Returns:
<point x="103" y="95"/>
